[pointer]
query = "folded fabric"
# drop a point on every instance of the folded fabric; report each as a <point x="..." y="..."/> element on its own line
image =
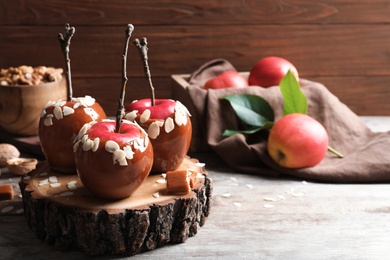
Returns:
<point x="366" y="153"/>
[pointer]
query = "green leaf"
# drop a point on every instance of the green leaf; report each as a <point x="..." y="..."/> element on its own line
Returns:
<point x="294" y="99"/>
<point x="251" y="109"/>
<point x="229" y="132"/>
<point x="252" y="130"/>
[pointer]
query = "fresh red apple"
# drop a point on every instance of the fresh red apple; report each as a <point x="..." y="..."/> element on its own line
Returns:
<point x="169" y="128"/>
<point x="59" y="125"/>
<point x="269" y="71"/>
<point x="110" y="164"/>
<point x="228" y="79"/>
<point x="297" y="141"/>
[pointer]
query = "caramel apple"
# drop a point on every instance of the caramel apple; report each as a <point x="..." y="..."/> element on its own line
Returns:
<point x="166" y="121"/>
<point x="61" y="120"/>
<point x="59" y="125"/>
<point x="110" y="164"/>
<point x="113" y="158"/>
<point x="168" y="125"/>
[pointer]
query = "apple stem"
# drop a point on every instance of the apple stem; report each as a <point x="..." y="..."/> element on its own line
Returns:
<point x="65" y="43"/>
<point x="121" y="106"/>
<point x="338" y="154"/>
<point x="143" y="51"/>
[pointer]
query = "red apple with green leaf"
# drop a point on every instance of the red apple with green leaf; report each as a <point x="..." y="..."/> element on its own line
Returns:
<point x="297" y="141"/>
<point x="269" y="71"/>
<point x="166" y="121"/>
<point x="61" y="120"/>
<point x="113" y="158"/>
<point x="228" y="79"/>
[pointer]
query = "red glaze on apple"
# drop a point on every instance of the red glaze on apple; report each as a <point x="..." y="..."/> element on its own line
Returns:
<point x="269" y="71"/>
<point x="112" y="165"/>
<point x="228" y="79"/>
<point x="59" y="125"/>
<point x="169" y="128"/>
<point x="297" y="141"/>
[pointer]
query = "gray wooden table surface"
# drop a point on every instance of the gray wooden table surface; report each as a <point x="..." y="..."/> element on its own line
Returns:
<point x="259" y="218"/>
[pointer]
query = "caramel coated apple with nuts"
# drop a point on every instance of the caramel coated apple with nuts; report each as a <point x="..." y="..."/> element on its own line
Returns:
<point x="59" y="125"/>
<point x="110" y="164"/>
<point x="62" y="120"/>
<point x="169" y="128"/>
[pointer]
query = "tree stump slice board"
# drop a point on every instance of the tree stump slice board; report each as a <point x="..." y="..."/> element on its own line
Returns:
<point x="63" y="213"/>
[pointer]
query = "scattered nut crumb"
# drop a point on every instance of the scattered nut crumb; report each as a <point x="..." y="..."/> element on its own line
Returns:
<point x="53" y="179"/>
<point x="199" y="164"/>
<point x="19" y="211"/>
<point x="7" y="209"/>
<point x="297" y="194"/>
<point x="237" y="204"/>
<point x="67" y="193"/>
<point x="226" y="195"/>
<point x="268" y="206"/>
<point x="55" y="185"/>
<point x="43" y="182"/>
<point x="249" y="186"/>
<point x="156" y="195"/>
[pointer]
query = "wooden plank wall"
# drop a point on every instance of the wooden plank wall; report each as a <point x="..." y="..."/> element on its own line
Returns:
<point x="344" y="44"/>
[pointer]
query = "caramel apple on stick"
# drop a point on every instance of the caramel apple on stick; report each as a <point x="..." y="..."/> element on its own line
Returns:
<point x="166" y="121"/>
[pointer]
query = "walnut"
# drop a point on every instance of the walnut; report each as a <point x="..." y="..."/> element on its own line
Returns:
<point x="7" y="151"/>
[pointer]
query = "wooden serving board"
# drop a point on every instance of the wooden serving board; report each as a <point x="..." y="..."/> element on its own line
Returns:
<point x="64" y="214"/>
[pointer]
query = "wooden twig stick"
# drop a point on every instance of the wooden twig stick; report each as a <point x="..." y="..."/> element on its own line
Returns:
<point x="65" y="43"/>
<point x="121" y="108"/>
<point x="143" y="51"/>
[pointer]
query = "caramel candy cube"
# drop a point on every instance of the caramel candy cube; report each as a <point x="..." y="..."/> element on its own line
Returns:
<point x="180" y="182"/>
<point x="6" y="192"/>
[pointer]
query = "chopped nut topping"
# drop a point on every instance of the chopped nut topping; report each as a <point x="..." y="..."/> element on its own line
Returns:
<point x="120" y="156"/>
<point x="145" y="116"/>
<point x="88" y="145"/>
<point x="131" y="115"/>
<point x="169" y="125"/>
<point x="58" y="113"/>
<point x="129" y="152"/>
<point x="48" y="120"/>
<point x="154" y="130"/>
<point x="67" y="110"/>
<point x="96" y="143"/>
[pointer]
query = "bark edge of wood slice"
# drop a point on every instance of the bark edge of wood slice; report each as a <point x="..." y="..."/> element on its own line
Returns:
<point x="74" y="219"/>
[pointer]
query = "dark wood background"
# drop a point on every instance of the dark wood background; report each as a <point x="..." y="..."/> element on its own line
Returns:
<point x="344" y="44"/>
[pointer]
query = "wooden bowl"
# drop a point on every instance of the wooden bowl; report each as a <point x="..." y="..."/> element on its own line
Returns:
<point x="21" y="106"/>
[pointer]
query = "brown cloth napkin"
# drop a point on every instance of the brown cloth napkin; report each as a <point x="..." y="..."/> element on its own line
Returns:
<point x="366" y="153"/>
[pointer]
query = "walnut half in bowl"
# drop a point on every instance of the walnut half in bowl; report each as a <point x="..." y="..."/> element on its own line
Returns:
<point x="21" y="166"/>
